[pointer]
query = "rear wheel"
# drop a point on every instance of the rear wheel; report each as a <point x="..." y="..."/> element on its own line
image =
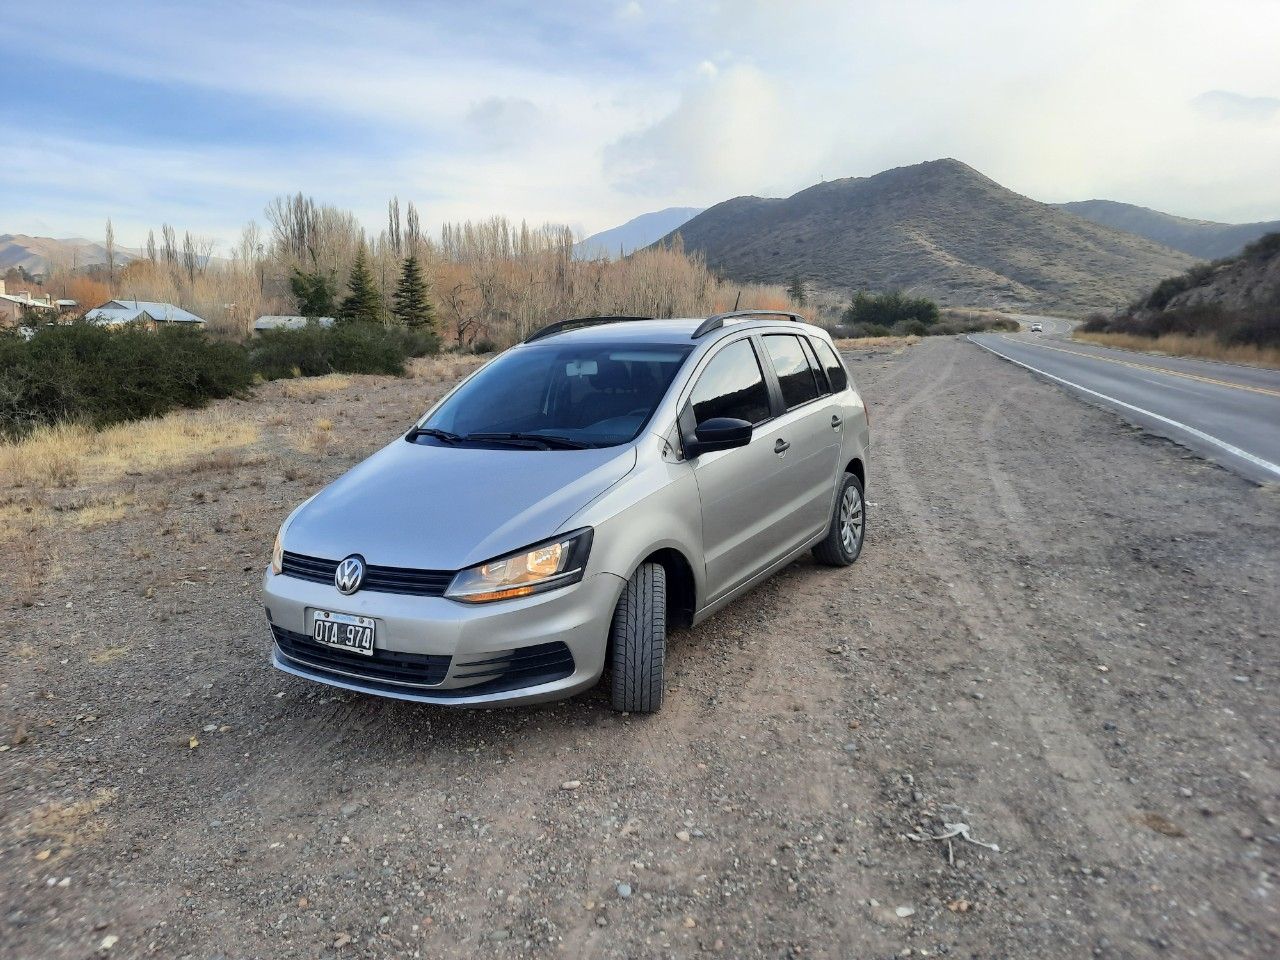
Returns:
<point x="843" y="541"/>
<point x="638" y="638"/>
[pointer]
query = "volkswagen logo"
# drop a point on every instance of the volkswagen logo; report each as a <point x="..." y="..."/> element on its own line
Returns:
<point x="350" y="574"/>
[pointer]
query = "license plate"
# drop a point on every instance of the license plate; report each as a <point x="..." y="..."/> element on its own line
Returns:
<point x="343" y="631"/>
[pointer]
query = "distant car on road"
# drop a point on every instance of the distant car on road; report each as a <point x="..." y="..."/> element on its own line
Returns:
<point x="1037" y="328"/>
<point x="554" y="512"/>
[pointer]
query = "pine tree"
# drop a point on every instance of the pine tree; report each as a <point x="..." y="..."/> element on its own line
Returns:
<point x="796" y="290"/>
<point x="410" y="303"/>
<point x="315" y="292"/>
<point x="363" y="302"/>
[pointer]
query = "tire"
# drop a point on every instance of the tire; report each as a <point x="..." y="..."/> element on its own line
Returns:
<point x="835" y="550"/>
<point x="638" y="638"/>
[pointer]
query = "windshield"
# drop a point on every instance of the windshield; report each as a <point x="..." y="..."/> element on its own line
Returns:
<point x="587" y="394"/>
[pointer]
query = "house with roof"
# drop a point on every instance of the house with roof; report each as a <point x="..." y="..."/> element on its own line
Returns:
<point x="21" y="307"/>
<point x="115" y="313"/>
<point x="280" y="322"/>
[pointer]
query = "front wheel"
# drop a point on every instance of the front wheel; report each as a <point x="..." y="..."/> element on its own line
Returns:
<point x="843" y="541"/>
<point x="638" y="637"/>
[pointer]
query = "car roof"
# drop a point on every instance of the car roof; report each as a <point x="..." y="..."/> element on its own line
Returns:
<point x="675" y="331"/>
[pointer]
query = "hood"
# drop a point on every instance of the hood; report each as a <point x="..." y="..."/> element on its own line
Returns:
<point x="446" y="508"/>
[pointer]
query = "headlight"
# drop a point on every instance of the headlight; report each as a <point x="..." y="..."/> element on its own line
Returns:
<point x="277" y="548"/>
<point x="544" y="566"/>
<point x="277" y="552"/>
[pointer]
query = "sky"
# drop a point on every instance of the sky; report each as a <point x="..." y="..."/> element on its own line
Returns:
<point x="589" y="113"/>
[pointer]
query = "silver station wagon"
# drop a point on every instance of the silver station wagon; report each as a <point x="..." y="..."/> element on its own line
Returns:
<point x="562" y="506"/>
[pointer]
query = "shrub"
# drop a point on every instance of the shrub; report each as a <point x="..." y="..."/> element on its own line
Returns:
<point x="890" y="309"/>
<point x="1253" y="326"/>
<point x="1265" y="246"/>
<point x="99" y="376"/>
<point x="346" y="348"/>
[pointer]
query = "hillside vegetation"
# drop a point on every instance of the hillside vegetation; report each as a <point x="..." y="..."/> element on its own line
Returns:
<point x="1202" y="239"/>
<point x="938" y="229"/>
<point x="1229" y="309"/>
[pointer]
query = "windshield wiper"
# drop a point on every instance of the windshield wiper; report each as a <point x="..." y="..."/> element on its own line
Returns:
<point x="413" y="435"/>
<point x="546" y="441"/>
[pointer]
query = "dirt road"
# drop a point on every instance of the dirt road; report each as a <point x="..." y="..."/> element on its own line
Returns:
<point x="1062" y="633"/>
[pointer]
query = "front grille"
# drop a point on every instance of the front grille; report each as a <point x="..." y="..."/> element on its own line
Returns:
<point x="526" y="667"/>
<point x="406" y="580"/>
<point x="388" y="666"/>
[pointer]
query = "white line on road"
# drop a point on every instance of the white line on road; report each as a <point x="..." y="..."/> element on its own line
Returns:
<point x="1230" y="448"/>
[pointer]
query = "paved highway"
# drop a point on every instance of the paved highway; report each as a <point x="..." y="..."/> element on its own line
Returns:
<point x="1226" y="412"/>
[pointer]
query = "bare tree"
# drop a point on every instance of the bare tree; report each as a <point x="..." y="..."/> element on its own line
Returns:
<point x="170" y="241"/>
<point x="189" y="257"/>
<point x="151" y="245"/>
<point x="294" y="223"/>
<point x="413" y="230"/>
<point x="110" y="247"/>
<point x="394" y="235"/>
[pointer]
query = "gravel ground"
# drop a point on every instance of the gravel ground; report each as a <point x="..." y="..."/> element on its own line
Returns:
<point x="1062" y="633"/>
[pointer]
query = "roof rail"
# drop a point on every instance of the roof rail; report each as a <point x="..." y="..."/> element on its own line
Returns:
<point x="716" y="321"/>
<point x="560" y="326"/>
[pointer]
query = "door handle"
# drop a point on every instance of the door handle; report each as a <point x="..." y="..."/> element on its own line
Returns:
<point x="781" y="447"/>
<point x="835" y="422"/>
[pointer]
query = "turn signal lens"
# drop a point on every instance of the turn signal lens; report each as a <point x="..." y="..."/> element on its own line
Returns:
<point x="546" y="566"/>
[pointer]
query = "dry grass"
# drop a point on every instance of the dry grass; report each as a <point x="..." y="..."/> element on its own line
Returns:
<point x="96" y="514"/>
<point x="447" y="367"/>
<point x="62" y="455"/>
<point x="877" y="343"/>
<point x="1181" y="345"/>
<point x="69" y="825"/>
<point x="307" y="387"/>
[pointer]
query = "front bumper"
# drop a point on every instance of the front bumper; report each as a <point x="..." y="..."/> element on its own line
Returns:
<point x="458" y="645"/>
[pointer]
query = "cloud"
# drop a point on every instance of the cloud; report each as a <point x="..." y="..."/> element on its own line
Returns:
<point x="728" y="133"/>
<point x="1225" y="105"/>
<point x="578" y="113"/>
<point x="499" y="123"/>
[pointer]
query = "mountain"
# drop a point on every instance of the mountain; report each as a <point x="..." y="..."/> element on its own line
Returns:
<point x="939" y="229"/>
<point x="1203" y="239"/>
<point x="634" y="234"/>
<point x="36" y="254"/>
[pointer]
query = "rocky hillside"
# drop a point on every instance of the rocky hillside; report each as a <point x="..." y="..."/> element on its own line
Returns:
<point x="1202" y="239"/>
<point x="1234" y="301"/>
<point x="939" y="229"/>
<point x="1249" y="281"/>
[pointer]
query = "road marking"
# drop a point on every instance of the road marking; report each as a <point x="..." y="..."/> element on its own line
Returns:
<point x="1230" y="448"/>
<point x="1146" y="366"/>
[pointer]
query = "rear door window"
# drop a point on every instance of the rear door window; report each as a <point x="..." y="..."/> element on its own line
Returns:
<point x="791" y="363"/>
<point x="831" y="363"/>
<point x="732" y="386"/>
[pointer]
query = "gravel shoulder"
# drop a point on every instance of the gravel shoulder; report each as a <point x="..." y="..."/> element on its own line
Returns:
<point x="1062" y="633"/>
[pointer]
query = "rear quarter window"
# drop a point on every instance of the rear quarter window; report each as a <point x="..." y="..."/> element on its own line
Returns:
<point x="831" y="364"/>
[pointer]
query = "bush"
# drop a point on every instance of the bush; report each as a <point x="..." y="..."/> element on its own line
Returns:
<point x="1252" y="326"/>
<point x="1265" y="246"/>
<point x="345" y="348"/>
<point x="100" y="376"/>
<point x="859" y="330"/>
<point x="890" y="309"/>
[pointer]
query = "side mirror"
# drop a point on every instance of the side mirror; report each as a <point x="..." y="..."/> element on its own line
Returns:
<point x="718" y="433"/>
